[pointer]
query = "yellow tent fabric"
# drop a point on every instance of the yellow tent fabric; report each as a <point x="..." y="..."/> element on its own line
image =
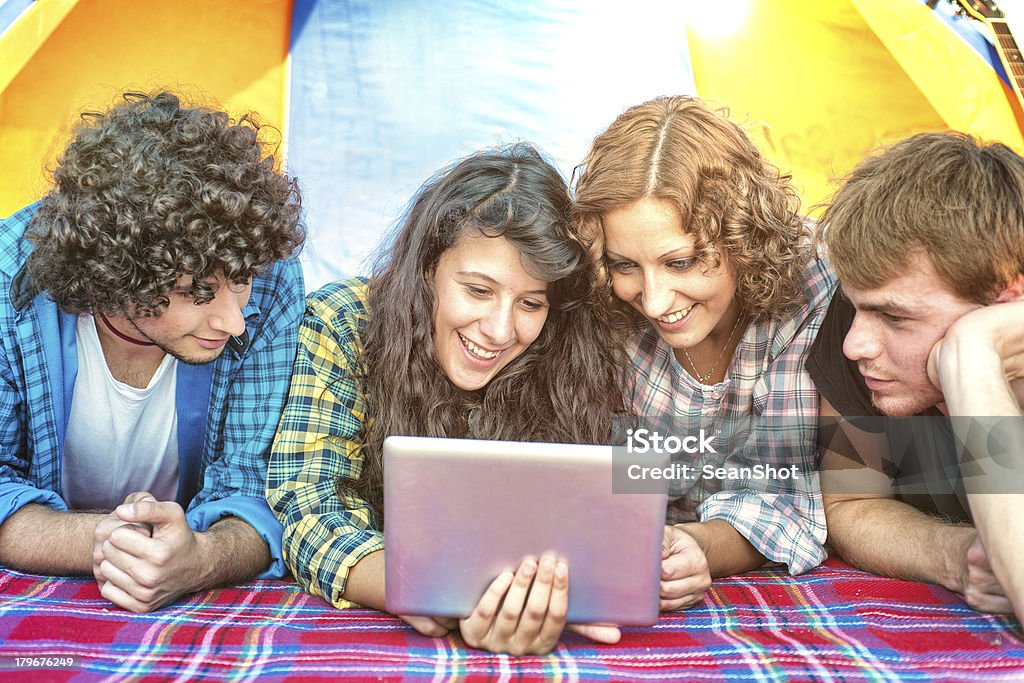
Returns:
<point x="821" y="84"/>
<point x="61" y="57"/>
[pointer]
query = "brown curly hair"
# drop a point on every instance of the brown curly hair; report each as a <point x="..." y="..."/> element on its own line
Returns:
<point x="152" y="190"/>
<point x="680" y="150"/>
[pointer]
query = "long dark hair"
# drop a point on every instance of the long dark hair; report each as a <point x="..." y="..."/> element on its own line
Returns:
<point x="566" y="386"/>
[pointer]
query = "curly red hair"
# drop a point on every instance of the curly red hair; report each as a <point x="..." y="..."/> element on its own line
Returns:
<point x="680" y="150"/>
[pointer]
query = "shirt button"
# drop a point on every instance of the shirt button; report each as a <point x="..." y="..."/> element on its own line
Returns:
<point x="716" y="394"/>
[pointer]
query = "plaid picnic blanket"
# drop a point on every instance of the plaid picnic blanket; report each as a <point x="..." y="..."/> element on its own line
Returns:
<point x="832" y="624"/>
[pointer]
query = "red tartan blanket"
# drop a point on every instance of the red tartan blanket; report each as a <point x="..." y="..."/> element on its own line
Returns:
<point x="832" y="624"/>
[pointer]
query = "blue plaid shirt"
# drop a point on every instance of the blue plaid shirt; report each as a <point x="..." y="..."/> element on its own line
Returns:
<point x="223" y="440"/>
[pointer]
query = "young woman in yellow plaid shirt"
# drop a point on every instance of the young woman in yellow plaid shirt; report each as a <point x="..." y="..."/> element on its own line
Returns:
<point x="477" y="323"/>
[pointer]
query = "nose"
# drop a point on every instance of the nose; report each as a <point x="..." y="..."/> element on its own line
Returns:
<point x="658" y="297"/>
<point x="861" y="341"/>
<point x="498" y="325"/>
<point x="225" y="310"/>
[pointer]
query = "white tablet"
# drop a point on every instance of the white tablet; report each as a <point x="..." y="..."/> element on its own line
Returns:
<point x="459" y="512"/>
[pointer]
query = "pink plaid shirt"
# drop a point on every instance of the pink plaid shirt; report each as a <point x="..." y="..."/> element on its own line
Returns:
<point x="763" y="415"/>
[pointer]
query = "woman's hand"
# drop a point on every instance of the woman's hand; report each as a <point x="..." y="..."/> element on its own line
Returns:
<point x="431" y="626"/>
<point x="524" y="613"/>
<point x="685" y="575"/>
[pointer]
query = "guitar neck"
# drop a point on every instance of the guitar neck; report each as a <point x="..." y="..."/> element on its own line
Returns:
<point x="1009" y="53"/>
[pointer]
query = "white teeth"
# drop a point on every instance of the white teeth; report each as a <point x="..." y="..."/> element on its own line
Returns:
<point x="676" y="316"/>
<point x="477" y="351"/>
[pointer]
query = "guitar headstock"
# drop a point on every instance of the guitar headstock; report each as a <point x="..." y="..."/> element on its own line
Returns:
<point x="979" y="9"/>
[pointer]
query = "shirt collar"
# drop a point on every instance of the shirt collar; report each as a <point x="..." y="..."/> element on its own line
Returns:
<point x="23" y="288"/>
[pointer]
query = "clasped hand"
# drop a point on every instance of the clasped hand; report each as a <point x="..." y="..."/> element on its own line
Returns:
<point x="145" y="555"/>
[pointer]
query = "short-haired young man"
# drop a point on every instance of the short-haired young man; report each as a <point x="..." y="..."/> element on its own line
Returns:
<point x="148" y="314"/>
<point x="928" y="241"/>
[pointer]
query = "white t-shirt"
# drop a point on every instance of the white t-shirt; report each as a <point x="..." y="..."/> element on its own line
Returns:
<point x="120" y="439"/>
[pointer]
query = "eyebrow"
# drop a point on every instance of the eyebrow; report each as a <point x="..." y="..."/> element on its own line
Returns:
<point x="488" y="278"/>
<point x="886" y="306"/>
<point x="672" y="252"/>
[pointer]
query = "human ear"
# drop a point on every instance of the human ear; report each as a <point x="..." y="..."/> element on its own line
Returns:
<point x="1013" y="291"/>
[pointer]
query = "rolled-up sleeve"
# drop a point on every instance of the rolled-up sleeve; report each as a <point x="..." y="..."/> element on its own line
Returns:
<point x="17" y="487"/>
<point x="784" y="527"/>
<point x="318" y="442"/>
<point x="246" y="402"/>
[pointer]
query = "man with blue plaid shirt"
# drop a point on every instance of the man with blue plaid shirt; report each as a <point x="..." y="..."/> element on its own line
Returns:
<point x="149" y="307"/>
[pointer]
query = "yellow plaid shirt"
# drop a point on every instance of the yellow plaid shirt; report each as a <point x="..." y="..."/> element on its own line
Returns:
<point x="318" y="441"/>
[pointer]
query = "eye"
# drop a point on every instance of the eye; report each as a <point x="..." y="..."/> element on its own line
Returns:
<point x="681" y="264"/>
<point x="185" y="294"/>
<point x="533" y="305"/>
<point x="477" y="291"/>
<point x="239" y="287"/>
<point x="623" y="267"/>
<point x="893" y="320"/>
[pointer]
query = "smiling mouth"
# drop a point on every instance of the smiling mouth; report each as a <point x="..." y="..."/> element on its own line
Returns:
<point x="675" y="316"/>
<point x="477" y="350"/>
<point x="212" y="343"/>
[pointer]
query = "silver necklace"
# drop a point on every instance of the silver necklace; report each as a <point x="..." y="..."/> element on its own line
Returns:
<point x="706" y="376"/>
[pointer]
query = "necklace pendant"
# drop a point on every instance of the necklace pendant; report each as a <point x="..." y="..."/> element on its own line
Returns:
<point x="703" y="379"/>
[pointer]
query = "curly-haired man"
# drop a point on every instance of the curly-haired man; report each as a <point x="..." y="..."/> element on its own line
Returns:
<point x="148" y="314"/>
<point x="928" y="241"/>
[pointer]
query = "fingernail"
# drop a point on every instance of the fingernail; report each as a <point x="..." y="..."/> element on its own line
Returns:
<point x="561" y="570"/>
<point x="547" y="563"/>
<point x="529" y="568"/>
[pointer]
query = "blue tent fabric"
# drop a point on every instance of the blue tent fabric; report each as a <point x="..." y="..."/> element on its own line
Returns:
<point x="384" y="94"/>
<point x="11" y="10"/>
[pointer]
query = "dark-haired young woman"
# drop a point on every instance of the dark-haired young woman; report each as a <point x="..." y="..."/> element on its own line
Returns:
<point x="477" y="323"/>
